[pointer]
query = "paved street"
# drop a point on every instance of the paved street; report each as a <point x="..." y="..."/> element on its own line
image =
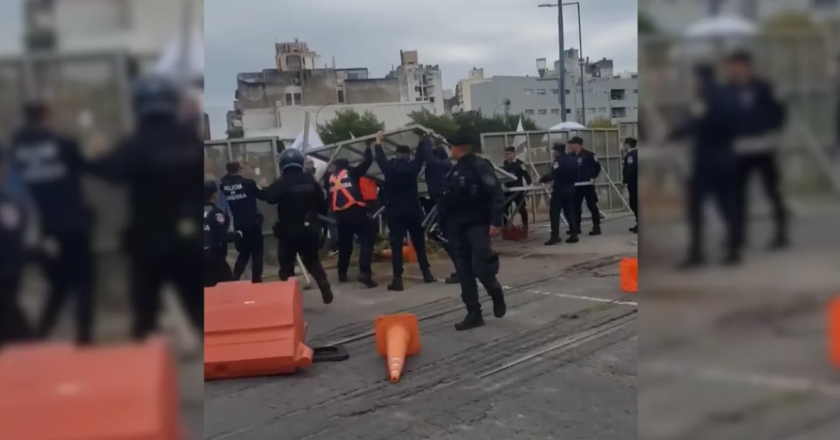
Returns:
<point x="560" y="365"/>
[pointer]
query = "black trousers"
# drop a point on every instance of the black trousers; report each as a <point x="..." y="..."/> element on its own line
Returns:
<point x="518" y="201"/>
<point x="14" y="326"/>
<point x="428" y="204"/>
<point x="151" y="268"/>
<point x="70" y="273"/>
<point x="766" y="166"/>
<point x="354" y="222"/>
<point x="587" y="193"/>
<point x="476" y="259"/>
<point x="303" y="243"/>
<point x="216" y="269"/>
<point x="720" y="186"/>
<point x="563" y="201"/>
<point x="400" y="223"/>
<point x="633" y="192"/>
<point x="250" y="247"/>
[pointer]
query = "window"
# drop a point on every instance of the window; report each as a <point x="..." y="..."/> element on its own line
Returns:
<point x="555" y="111"/>
<point x="591" y="109"/>
<point x="540" y="91"/>
<point x="602" y="109"/>
<point x="529" y="91"/>
<point x="635" y="91"/>
<point x="541" y="111"/>
<point x="432" y="99"/>
<point x="617" y="95"/>
<point x="554" y="91"/>
<point x="529" y="112"/>
<point x="289" y="99"/>
<point x="341" y="96"/>
<point x="568" y="111"/>
<point x="298" y="99"/>
<point x="417" y="89"/>
<point x="419" y="99"/>
<point x="568" y="91"/>
<point x="619" y="112"/>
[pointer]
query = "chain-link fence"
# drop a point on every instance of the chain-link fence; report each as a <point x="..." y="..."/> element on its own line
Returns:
<point x="535" y="149"/>
<point x="258" y="157"/>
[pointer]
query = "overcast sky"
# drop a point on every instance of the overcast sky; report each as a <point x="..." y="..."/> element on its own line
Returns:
<point x="502" y="36"/>
<point x="11" y="26"/>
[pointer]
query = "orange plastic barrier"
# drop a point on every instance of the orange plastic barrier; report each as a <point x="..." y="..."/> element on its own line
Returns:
<point x="834" y="332"/>
<point x="58" y="392"/>
<point x="397" y="336"/>
<point x="514" y="233"/>
<point x="254" y="330"/>
<point x="629" y="273"/>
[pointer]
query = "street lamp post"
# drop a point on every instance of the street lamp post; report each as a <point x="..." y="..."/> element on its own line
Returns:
<point x="561" y="79"/>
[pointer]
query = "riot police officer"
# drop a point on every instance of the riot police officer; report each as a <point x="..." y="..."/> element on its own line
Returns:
<point x="516" y="168"/>
<point x="242" y="194"/>
<point x="402" y="205"/>
<point x="51" y="167"/>
<point x="299" y="201"/>
<point x="352" y="217"/>
<point x="630" y="176"/>
<point x="216" y="238"/>
<point x="13" y="323"/>
<point x="473" y="206"/>
<point x="563" y="176"/>
<point x="588" y="169"/>
<point x="161" y="164"/>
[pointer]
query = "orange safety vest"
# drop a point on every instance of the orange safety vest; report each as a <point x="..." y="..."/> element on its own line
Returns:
<point x="339" y="182"/>
<point x="368" y="188"/>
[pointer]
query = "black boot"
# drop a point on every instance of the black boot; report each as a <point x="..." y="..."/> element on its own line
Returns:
<point x="596" y="230"/>
<point x="428" y="277"/>
<point x="396" y="284"/>
<point x="554" y="240"/>
<point x="326" y="291"/>
<point x="472" y="320"/>
<point x="453" y="279"/>
<point x="635" y="229"/>
<point x="499" y="306"/>
<point x="573" y="239"/>
<point x="342" y="277"/>
<point x="368" y="280"/>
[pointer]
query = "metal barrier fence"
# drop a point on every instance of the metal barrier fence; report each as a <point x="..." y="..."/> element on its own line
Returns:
<point x="534" y="148"/>
<point x="258" y="157"/>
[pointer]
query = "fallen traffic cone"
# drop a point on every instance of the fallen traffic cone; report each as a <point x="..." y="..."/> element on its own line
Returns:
<point x="409" y="254"/>
<point x="834" y="332"/>
<point x="397" y="336"/>
<point x="629" y="275"/>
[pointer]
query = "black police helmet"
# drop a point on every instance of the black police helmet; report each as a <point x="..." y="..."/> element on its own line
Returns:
<point x="210" y="189"/>
<point x="291" y="158"/>
<point x="155" y="96"/>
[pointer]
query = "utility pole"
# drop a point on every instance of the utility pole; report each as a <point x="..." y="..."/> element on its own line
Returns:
<point x="561" y="71"/>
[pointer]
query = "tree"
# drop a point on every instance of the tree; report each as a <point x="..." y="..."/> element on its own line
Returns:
<point x="790" y="22"/>
<point x="473" y="122"/>
<point x="647" y="27"/>
<point x="349" y="123"/>
<point x="600" y="123"/>
<point x="443" y="125"/>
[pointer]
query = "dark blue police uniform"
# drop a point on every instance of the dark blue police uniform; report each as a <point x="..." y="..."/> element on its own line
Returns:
<point x="242" y="194"/>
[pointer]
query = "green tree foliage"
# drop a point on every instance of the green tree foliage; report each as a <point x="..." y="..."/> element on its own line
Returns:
<point x="600" y="123"/>
<point x="790" y="22"/>
<point x="472" y="122"/>
<point x="349" y="123"/>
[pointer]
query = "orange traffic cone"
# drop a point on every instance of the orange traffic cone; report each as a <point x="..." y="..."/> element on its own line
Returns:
<point x="629" y="275"/>
<point x="397" y="336"/>
<point x="834" y="332"/>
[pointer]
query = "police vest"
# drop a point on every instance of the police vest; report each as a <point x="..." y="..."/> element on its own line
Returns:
<point x="368" y="188"/>
<point x="344" y="193"/>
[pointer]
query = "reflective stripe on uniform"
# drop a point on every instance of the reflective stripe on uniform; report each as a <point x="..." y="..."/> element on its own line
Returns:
<point x="336" y="186"/>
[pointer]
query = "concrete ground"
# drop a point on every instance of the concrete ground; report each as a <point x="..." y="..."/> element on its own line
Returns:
<point x="741" y="353"/>
<point x="560" y="365"/>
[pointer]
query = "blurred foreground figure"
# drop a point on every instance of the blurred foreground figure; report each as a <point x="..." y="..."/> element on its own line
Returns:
<point x="438" y="166"/>
<point x="300" y="200"/>
<point x="161" y="163"/>
<point x="216" y="238"/>
<point x="242" y="194"/>
<point x="51" y="166"/>
<point x="402" y="206"/>
<point x="473" y="206"/>
<point x="713" y="165"/>
<point x="630" y="175"/>
<point x="13" y="324"/>
<point x="760" y="117"/>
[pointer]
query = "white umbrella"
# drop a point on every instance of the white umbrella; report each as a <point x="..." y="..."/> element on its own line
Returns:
<point x="567" y="126"/>
<point x="722" y="27"/>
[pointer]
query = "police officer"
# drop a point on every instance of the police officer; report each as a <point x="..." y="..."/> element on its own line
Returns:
<point x="473" y="206"/>
<point x="516" y="167"/>
<point x="161" y="164"/>
<point x="216" y="238"/>
<point x="588" y="169"/>
<point x="402" y="205"/>
<point x="51" y="167"/>
<point x="563" y="175"/>
<point x="13" y="323"/>
<point x="352" y="217"/>
<point x="760" y="119"/>
<point x="630" y="173"/>
<point x="299" y="201"/>
<point x="713" y="165"/>
<point x="242" y="195"/>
